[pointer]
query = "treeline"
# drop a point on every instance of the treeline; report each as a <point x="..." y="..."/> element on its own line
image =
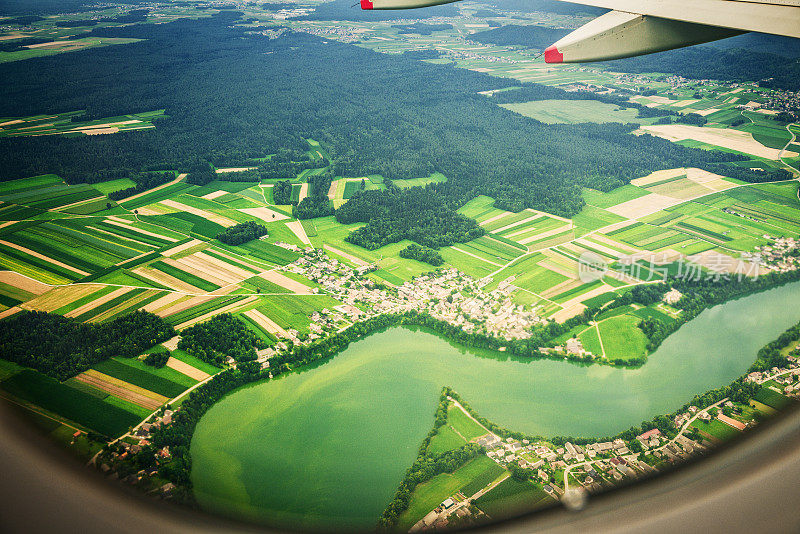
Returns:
<point x="221" y="336"/>
<point x="61" y="347"/>
<point x="241" y="233"/>
<point x="144" y="181"/>
<point x="423" y="254"/>
<point x="425" y="467"/>
<point x="770" y="355"/>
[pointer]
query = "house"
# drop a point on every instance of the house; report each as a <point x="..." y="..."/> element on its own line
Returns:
<point x="574" y="346"/>
<point x="672" y="296"/>
<point x="448" y="503"/>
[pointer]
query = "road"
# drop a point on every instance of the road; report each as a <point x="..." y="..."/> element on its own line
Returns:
<point x="679" y="434"/>
<point x="792" y="140"/>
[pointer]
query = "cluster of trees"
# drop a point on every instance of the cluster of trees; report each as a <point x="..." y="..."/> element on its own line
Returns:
<point x="221" y="336"/>
<point x="424" y="254"/>
<point x="282" y="192"/>
<point x="520" y="473"/>
<point x="317" y="203"/>
<point x="312" y="207"/>
<point x="691" y="118"/>
<point x="655" y="330"/>
<point x="241" y="233"/>
<point x="25" y="20"/>
<point x="418" y="214"/>
<point x="157" y="359"/>
<point x="144" y="181"/>
<point x="201" y="172"/>
<point x="16" y="45"/>
<point x="61" y="347"/>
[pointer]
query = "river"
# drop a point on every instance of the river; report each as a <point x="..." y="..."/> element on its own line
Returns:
<point x="327" y="447"/>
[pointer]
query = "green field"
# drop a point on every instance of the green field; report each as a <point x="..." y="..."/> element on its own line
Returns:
<point x="292" y="311"/>
<point x="490" y="473"/>
<point x="430" y="494"/>
<point x="622" y="339"/>
<point x="165" y="372"/>
<point x="70" y="403"/>
<point x="434" y="178"/>
<point x="613" y="197"/>
<point x="771" y="398"/>
<point x="144" y="378"/>
<point x="463" y="423"/>
<point x="573" y="111"/>
<point x="444" y="440"/>
<point x="716" y="429"/>
<point x="194" y="362"/>
<point x="591" y="341"/>
<point x="512" y="497"/>
<point x="189" y="278"/>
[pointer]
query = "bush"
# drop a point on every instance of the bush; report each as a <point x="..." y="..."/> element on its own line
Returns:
<point x="157" y="359"/>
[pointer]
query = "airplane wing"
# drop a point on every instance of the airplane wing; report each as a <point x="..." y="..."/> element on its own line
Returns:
<point x="637" y="27"/>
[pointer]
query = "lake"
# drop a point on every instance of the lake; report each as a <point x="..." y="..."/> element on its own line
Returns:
<point x="328" y="446"/>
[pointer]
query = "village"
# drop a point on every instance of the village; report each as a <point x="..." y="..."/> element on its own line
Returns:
<point x="445" y="294"/>
<point x="782" y="255"/>
<point x="597" y="466"/>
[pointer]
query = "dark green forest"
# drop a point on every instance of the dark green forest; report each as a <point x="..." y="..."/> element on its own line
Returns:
<point x="61" y="347"/>
<point x="373" y="113"/>
<point x="708" y="62"/>
<point x="512" y="34"/>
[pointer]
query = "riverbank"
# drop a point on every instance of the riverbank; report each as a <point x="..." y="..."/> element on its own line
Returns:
<point x="538" y="397"/>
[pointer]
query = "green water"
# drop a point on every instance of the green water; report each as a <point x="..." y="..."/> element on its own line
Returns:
<point x="327" y="447"/>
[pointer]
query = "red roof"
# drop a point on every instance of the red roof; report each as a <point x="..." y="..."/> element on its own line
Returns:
<point x="649" y="434"/>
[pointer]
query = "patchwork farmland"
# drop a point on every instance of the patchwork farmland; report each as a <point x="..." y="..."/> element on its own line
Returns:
<point x="69" y="250"/>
